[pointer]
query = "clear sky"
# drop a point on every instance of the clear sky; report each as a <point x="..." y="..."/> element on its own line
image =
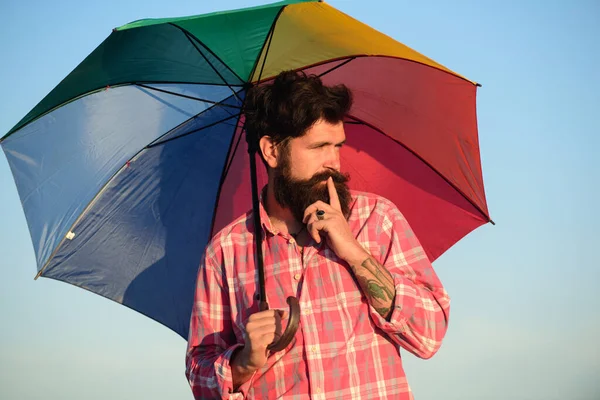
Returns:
<point x="525" y="318"/>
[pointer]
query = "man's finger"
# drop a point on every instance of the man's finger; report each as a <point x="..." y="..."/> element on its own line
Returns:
<point x="283" y="314"/>
<point x="262" y="315"/>
<point x="312" y="218"/>
<point x="314" y="232"/>
<point x="318" y="205"/>
<point x="316" y="228"/>
<point x="334" y="199"/>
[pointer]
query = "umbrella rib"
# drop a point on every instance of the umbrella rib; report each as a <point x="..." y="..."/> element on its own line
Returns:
<point x="262" y="67"/>
<point x="191" y="132"/>
<point x="268" y="44"/>
<point x="155" y="142"/>
<point x="191" y="36"/>
<point x="191" y="39"/>
<point x="337" y="66"/>
<point x="99" y="89"/>
<point x="219" y="103"/>
<point x="132" y="84"/>
<point x="230" y="161"/>
<point x="360" y="121"/>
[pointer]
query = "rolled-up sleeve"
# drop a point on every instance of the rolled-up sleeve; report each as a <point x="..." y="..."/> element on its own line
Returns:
<point x="212" y="340"/>
<point x="421" y="307"/>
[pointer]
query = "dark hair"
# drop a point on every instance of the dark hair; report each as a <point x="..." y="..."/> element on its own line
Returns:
<point x="289" y="106"/>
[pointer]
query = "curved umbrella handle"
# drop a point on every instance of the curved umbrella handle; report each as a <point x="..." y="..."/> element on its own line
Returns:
<point x="292" y="326"/>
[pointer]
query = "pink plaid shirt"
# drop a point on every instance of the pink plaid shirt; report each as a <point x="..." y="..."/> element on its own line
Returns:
<point x="343" y="348"/>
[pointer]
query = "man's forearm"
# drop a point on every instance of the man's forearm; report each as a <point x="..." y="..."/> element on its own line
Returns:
<point x="376" y="283"/>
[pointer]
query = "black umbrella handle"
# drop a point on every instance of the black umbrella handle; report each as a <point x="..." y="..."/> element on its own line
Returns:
<point x="292" y="326"/>
<point x="294" y="316"/>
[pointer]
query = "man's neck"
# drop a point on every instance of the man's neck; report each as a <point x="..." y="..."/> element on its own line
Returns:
<point x="281" y="218"/>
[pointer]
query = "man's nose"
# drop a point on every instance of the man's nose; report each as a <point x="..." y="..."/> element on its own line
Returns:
<point x="333" y="158"/>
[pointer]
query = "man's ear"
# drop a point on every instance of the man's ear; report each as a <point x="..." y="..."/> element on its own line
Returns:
<point x="269" y="151"/>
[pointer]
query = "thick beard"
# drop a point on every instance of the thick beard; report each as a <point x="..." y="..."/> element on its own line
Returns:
<point x="298" y="194"/>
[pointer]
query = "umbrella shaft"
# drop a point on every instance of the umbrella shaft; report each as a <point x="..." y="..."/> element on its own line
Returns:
<point x="257" y="229"/>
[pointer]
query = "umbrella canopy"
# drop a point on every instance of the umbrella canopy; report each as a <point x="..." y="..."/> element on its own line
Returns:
<point x="128" y="167"/>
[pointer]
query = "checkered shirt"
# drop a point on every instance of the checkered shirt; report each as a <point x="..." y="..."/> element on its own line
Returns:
<point x="343" y="348"/>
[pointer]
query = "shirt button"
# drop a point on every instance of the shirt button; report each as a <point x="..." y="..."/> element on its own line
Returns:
<point x="313" y="349"/>
<point x="292" y="241"/>
<point x="318" y="390"/>
<point x="297" y="277"/>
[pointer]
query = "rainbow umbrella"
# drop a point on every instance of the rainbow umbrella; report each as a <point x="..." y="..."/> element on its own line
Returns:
<point x="128" y="167"/>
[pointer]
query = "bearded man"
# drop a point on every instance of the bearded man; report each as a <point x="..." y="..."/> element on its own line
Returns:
<point x="365" y="286"/>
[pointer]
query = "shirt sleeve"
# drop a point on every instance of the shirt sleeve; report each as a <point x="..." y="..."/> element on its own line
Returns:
<point x="212" y="339"/>
<point x="421" y="305"/>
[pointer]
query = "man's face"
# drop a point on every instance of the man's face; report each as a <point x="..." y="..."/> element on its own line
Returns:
<point x="306" y="164"/>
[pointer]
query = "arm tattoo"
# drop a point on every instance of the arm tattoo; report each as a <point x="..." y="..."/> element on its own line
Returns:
<point x="377" y="284"/>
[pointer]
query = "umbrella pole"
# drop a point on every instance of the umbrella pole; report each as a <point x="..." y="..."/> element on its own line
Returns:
<point x="263" y="305"/>
<point x="294" y="314"/>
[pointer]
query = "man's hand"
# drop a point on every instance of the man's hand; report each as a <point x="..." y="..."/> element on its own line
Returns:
<point x="333" y="223"/>
<point x="262" y="328"/>
<point x="375" y="280"/>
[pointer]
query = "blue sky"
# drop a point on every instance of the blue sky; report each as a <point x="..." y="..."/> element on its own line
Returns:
<point x="524" y="321"/>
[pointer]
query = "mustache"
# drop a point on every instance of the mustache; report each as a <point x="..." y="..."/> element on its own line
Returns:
<point x="337" y="176"/>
